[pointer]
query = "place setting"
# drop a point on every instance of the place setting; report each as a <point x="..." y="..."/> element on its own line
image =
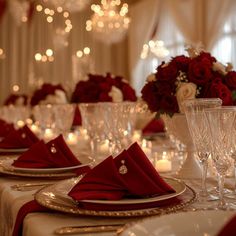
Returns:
<point x="116" y="191"/>
<point x="51" y="159"/>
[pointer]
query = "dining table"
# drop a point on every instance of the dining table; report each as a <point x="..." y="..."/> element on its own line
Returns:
<point x="16" y="191"/>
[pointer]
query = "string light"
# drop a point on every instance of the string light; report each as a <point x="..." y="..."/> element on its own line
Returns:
<point x="48" y="56"/>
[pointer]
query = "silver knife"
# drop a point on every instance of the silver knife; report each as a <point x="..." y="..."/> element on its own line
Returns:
<point x="88" y="229"/>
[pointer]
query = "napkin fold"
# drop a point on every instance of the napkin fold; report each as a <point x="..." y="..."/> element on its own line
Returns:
<point x="21" y="138"/>
<point x="54" y="154"/>
<point x="130" y="174"/>
<point x="154" y="126"/>
<point x="5" y="128"/>
<point x="229" y="229"/>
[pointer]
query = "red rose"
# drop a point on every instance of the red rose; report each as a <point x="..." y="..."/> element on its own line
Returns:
<point x="206" y="57"/>
<point x="182" y="62"/>
<point x="169" y="104"/>
<point x="199" y="72"/>
<point x="43" y="92"/>
<point x="128" y="92"/>
<point x="12" y="99"/>
<point x="86" y="91"/>
<point x="218" y="90"/>
<point x="150" y="95"/>
<point x="167" y="72"/>
<point x="230" y="80"/>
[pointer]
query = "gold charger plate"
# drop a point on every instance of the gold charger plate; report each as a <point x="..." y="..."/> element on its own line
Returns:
<point x="55" y="198"/>
<point x="37" y="175"/>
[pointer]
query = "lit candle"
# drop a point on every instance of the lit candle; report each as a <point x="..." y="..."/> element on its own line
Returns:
<point x="104" y="148"/>
<point x="48" y="134"/>
<point x="136" y="136"/>
<point x="72" y="139"/>
<point x="20" y="123"/>
<point x="147" y="147"/>
<point x="35" y="128"/>
<point x="163" y="165"/>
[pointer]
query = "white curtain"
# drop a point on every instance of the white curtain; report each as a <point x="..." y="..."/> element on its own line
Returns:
<point x="200" y="21"/>
<point x="144" y="15"/>
<point x="21" y="43"/>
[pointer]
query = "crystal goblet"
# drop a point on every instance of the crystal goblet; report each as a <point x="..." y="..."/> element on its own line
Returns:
<point x="197" y="123"/>
<point x="220" y="122"/>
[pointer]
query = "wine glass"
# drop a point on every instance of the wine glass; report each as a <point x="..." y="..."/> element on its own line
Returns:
<point x="93" y="122"/>
<point x="44" y="118"/>
<point x="220" y="122"/>
<point x="197" y="123"/>
<point x="119" y="120"/>
<point x="63" y="117"/>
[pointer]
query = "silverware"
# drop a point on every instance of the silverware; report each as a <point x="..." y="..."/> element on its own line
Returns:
<point x="29" y="186"/>
<point x="88" y="229"/>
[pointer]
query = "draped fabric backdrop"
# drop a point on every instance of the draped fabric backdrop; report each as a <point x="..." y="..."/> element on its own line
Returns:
<point x="21" y="43"/>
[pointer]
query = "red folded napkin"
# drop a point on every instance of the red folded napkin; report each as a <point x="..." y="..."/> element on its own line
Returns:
<point x="5" y="128"/>
<point x="130" y="174"/>
<point x="229" y="229"/>
<point x="77" y="117"/>
<point x="154" y="126"/>
<point x="54" y="154"/>
<point x="21" y="138"/>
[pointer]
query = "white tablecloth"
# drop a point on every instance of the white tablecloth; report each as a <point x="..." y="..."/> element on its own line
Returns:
<point x="38" y="224"/>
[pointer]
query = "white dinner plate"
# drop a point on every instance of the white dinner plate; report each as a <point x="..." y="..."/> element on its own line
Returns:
<point x="178" y="185"/>
<point x="196" y="223"/>
<point x="63" y="187"/>
<point x="13" y="150"/>
<point x="56" y="197"/>
<point x="7" y="165"/>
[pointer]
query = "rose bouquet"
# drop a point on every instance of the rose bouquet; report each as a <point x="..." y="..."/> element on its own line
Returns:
<point x="17" y="100"/>
<point x="99" y="88"/>
<point x="49" y="94"/>
<point x="199" y="76"/>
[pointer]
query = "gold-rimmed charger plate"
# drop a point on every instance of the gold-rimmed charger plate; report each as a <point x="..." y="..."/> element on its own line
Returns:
<point x="55" y="198"/>
<point x="37" y="175"/>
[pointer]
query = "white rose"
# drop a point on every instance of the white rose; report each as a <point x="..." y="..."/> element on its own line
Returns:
<point x="116" y="94"/>
<point x="217" y="66"/>
<point x="151" y="78"/>
<point x="58" y="98"/>
<point x="185" y="91"/>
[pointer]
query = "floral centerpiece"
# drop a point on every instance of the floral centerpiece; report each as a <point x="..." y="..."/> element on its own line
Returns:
<point x="99" y="88"/>
<point x="198" y="76"/>
<point x="16" y="99"/>
<point x="49" y="94"/>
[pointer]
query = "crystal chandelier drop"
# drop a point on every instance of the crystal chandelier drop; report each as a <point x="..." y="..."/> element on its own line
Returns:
<point x="71" y="5"/>
<point x="108" y="23"/>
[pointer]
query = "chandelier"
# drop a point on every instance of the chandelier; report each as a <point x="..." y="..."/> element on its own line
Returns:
<point x="108" y="23"/>
<point x="157" y="48"/>
<point x="71" y="5"/>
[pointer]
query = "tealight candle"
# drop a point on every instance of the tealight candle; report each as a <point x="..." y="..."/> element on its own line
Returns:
<point x="163" y="165"/>
<point x="48" y="134"/>
<point x="162" y="161"/>
<point x="104" y="147"/>
<point x="136" y="136"/>
<point x="72" y="139"/>
<point x="20" y="123"/>
<point x="35" y="128"/>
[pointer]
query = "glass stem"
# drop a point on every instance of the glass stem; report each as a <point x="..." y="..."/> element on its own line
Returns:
<point x="221" y="181"/>
<point x="204" y="174"/>
<point x="93" y="144"/>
